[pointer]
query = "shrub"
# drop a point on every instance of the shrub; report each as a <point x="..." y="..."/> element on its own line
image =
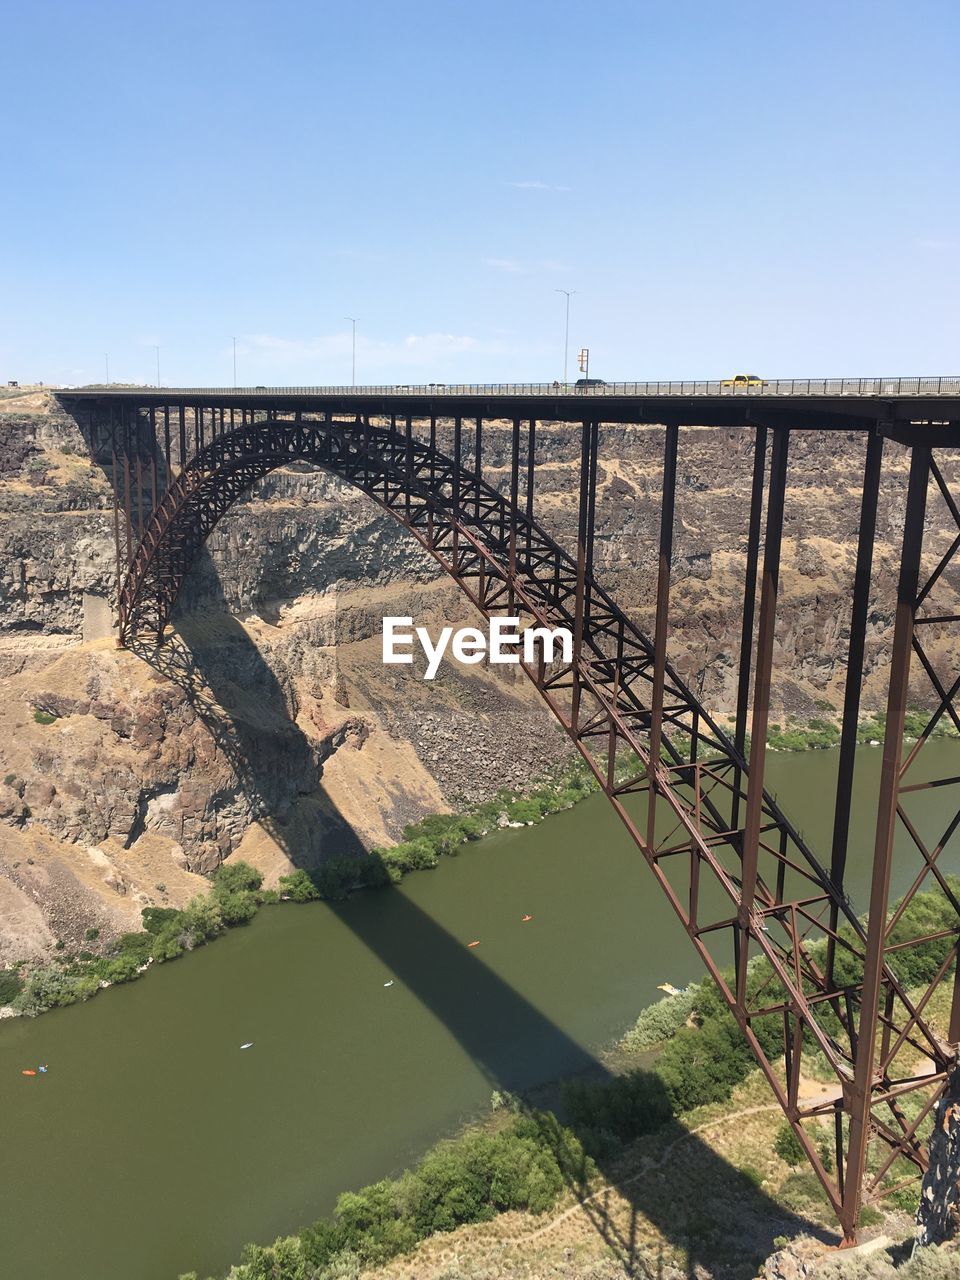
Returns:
<point x="203" y="917"/>
<point x="119" y="969"/>
<point x="138" y="944"/>
<point x="44" y="717"/>
<point x="788" y="1146"/>
<point x="11" y="984"/>
<point x="298" y="887"/>
<point x="51" y="987"/>
<point x="236" y="906"/>
<point x="443" y="831"/>
<point x="91" y="934"/>
<point x="237" y="875"/>
<point x="661" y="1020"/>
<point x="411" y="855"/>
<point x="168" y="942"/>
<point x="336" y="878"/>
<point x="627" y="1106"/>
<point x="525" y="811"/>
<point x="702" y="1065"/>
<point x="154" y="918"/>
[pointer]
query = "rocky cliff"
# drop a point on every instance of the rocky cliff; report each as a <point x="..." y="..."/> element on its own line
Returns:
<point x="269" y="724"/>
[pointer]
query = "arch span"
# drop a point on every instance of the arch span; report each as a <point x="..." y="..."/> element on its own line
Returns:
<point x="635" y="735"/>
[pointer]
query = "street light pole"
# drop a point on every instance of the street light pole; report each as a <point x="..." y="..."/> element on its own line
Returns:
<point x="234" y="364"/>
<point x="353" y="350"/>
<point x="106" y="365"/>
<point x="566" y="330"/>
<point x="157" y="349"/>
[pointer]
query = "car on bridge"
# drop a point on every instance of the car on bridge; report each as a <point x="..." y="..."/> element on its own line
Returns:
<point x="742" y="380"/>
<point x="584" y="384"/>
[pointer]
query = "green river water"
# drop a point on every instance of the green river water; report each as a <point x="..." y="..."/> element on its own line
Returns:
<point x="154" y="1144"/>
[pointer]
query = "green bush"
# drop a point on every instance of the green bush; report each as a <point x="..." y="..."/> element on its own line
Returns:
<point x="11" y="984"/>
<point x="137" y="944"/>
<point x="702" y="1065"/>
<point x="236" y="906"/>
<point x="298" y="887"/>
<point x="528" y="811"/>
<point x="203" y="917"/>
<point x="627" y="1106"/>
<point x="239" y="876"/>
<point x="661" y="1020"/>
<point x="154" y="918"/>
<point x="51" y="987"/>
<point x="788" y="1146"/>
<point x="44" y="717"/>
<point x="124" y="968"/>
<point x="168" y="943"/>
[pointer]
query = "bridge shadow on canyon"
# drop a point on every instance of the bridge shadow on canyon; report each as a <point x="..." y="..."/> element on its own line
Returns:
<point x="685" y="1193"/>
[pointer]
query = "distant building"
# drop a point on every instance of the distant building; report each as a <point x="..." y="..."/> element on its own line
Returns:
<point x="13" y="383"/>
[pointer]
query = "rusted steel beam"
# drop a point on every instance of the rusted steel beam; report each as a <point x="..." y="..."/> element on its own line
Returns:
<point x="761" y="698"/>
<point x="854" y="678"/>
<point x="859" y="1105"/>
<point x="667" y="519"/>
<point x="749" y="606"/>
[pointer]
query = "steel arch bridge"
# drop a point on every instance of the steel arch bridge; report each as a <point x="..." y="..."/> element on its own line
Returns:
<point x="743" y="881"/>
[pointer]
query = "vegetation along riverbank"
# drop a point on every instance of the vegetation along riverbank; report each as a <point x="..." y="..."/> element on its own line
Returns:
<point x="739" y="1186"/>
<point x="237" y="892"/>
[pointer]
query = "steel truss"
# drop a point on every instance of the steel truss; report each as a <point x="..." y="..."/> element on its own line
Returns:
<point x="806" y="976"/>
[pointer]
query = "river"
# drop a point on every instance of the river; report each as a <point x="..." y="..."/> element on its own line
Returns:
<point x="154" y="1144"/>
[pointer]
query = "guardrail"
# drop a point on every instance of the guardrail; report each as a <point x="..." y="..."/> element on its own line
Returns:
<point x="718" y="387"/>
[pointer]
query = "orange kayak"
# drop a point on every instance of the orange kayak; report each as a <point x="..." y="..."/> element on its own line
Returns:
<point x="28" y="1073"/>
<point x="524" y="919"/>
<point x="474" y="944"/>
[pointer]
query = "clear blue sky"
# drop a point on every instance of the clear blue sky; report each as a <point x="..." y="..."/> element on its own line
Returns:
<point x="727" y="186"/>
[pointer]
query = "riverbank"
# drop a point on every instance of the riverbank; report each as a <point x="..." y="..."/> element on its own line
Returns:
<point x="237" y="894"/>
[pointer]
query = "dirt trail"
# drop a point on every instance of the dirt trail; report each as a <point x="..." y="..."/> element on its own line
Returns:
<point x="650" y="1166"/>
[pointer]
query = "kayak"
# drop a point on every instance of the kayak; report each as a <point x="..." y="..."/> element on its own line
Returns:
<point x="28" y="1073"/>
<point x="524" y="919"/>
<point x="248" y="1045"/>
<point x="474" y="944"/>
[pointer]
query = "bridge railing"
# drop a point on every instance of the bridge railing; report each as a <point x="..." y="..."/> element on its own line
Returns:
<point x="931" y="386"/>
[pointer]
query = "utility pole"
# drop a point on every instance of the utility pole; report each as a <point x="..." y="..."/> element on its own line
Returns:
<point x="353" y="351"/>
<point x="566" y="329"/>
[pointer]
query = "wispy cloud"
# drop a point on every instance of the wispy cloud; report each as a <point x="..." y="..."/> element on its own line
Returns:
<point x="938" y="244"/>
<point x="532" y="184"/>
<point x="516" y="267"/>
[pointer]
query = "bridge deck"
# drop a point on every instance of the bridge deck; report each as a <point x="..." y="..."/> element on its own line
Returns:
<point x="910" y="406"/>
